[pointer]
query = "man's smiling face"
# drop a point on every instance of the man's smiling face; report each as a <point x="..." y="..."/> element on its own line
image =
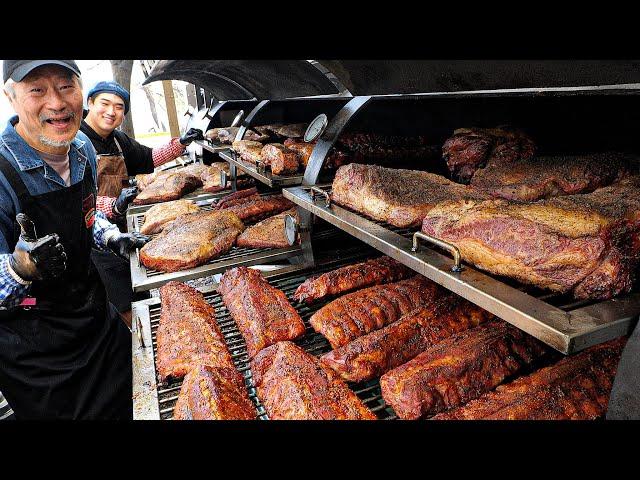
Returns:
<point x="48" y="102"/>
<point x="106" y="113"/>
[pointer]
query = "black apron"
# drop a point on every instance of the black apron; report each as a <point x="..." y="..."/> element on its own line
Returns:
<point x="69" y="355"/>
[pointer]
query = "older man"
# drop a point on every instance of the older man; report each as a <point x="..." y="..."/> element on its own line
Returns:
<point x="64" y="353"/>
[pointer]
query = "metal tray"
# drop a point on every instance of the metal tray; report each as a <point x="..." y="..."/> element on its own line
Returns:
<point x="263" y="176"/>
<point x="143" y="279"/>
<point x="565" y="324"/>
<point x="153" y="400"/>
<point x="212" y="147"/>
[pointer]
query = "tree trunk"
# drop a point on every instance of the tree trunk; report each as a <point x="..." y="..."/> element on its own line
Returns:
<point x="152" y="104"/>
<point x="122" y="74"/>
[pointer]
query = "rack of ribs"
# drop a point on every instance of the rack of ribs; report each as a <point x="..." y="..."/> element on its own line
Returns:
<point x="294" y="385"/>
<point x="188" y="334"/>
<point x="586" y="243"/>
<point x="575" y="388"/>
<point x="192" y="240"/>
<point x="352" y="277"/>
<point x="268" y="233"/>
<point x="280" y="158"/>
<point x="255" y="207"/>
<point x="168" y="187"/>
<point x="378" y="352"/>
<point x="540" y="177"/>
<point x="158" y="216"/>
<point x="212" y="393"/>
<point x="459" y="368"/>
<point x="361" y="312"/>
<point x="262" y="312"/>
<point x="396" y="196"/>
<point x="471" y="149"/>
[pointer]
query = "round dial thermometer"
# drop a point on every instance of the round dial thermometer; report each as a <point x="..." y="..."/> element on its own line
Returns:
<point x="316" y="127"/>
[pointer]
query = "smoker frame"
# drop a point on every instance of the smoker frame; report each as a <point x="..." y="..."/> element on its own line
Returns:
<point x="566" y="332"/>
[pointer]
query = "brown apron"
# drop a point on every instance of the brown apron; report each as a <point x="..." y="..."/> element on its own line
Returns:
<point x="112" y="173"/>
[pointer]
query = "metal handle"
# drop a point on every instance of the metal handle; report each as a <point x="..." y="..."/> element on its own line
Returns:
<point x="188" y="112"/>
<point x="291" y="229"/>
<point x="260" y="166"/>
<point x="139" y="332"/>
<point x="237" y="119"/>
<point x="440" y="243"/>
<point x="319" y="191"/>
<point x="206" y="115"/>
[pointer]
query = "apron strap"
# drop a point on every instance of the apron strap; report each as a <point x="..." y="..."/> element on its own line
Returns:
<point x="17" y="184"/>
<point x="118" y="145"/>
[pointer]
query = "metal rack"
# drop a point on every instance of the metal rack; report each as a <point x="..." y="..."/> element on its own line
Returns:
<point x="143" y="278"/>
<point x="260" y="174"/>
<point x="153" y="400"/>
<point x="566" y="325"/>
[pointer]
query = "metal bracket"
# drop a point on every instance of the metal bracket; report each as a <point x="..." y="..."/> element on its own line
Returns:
<point x="206" y="115"/>
<point x="292" y="229"/>
<point x="260" y="166"/>
<point x="442" y="244"/>
<point x="223" y="179"/>
<point x="319" y="191"/>
<point x="188" y="112"/>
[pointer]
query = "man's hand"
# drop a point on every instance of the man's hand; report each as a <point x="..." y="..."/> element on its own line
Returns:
<point x="123" y="243"/>
<point x="124" y="199"/>
<point x="191" y="135"/>
<point x="37" y="258"/>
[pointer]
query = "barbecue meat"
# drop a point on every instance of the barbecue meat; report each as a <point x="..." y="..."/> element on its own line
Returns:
<point x="255" y="208"/>
<point x="396" y="196"/>
<point x="255" y="136"/>
<point x="352" y="277"/>
<point x="144" y="179"/>
<point x="268" y="233"/>
<point x="262" y="312"/>
<point x="588" y="243"/>
<point x="236" y="198"/>
<point x="168" y="187"/>
<point x="357" y="140"/>
<point x="377" y="352"/>
<point x="536" y="177"/>
<point x="212" y="134"/>
<point x="294" y="130"/>
<point x="211" y="177"/>
<point x="248" y="150"/>
<point x="471" y="149"/>
<point x="192" y="240"/>
<point x="158" y="216"/>
<point x="575" y="388"/>
<point x="361" y="312"/>
<point x="458" y="369"/>
<point x="188" y="335"/>
<point x="210" y="393"/>
<point x="294" y="385"/>
<point x="303" y="149"/>
<point x="281" y="159"/>
<point x="228" y="135"/>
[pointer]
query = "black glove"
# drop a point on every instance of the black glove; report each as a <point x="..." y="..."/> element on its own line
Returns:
<point x="124" y="199"/>
<point x="37" y="258"/>
<point x="123" y="243"/>
<point x="191" y="135"/>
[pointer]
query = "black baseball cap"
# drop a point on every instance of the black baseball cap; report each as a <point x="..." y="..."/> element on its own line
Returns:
<point x="18" y="69"/>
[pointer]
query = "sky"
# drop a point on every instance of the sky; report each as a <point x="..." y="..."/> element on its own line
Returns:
<point x="94" y="71"/>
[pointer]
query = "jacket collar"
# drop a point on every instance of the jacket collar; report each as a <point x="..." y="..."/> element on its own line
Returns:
<point x="27" y="157"/>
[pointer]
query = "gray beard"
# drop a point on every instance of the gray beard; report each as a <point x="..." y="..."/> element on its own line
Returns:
<point x="54" y="143"/>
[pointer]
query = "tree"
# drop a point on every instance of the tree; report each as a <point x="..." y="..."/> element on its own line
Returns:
<point x="122" y="74"/>
<point x="147" y="66"/>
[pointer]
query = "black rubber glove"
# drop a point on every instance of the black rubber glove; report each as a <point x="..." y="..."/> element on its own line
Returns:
<point x="37" y="258"/>
<point x="123" y="243"/>
<point x="124" y="199"/>
<point x="191" y="135"/>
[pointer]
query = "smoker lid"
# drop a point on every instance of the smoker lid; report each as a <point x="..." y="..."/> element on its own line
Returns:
<point x="381" y="77"/>
<point x="246" y="79"/>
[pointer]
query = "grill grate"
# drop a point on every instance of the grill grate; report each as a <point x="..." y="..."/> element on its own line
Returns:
<point x="312" y="342"/>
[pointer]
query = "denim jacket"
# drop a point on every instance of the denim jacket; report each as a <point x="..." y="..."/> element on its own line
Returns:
<point x="39" y="178"/>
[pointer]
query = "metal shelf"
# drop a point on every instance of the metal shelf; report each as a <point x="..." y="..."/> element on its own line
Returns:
<point x="212" y="147"/>
<point x="155" y="401"/>
<point x="265" y="177"/>
<point x="143" y="278"/>
<point x="568" y="328"/>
